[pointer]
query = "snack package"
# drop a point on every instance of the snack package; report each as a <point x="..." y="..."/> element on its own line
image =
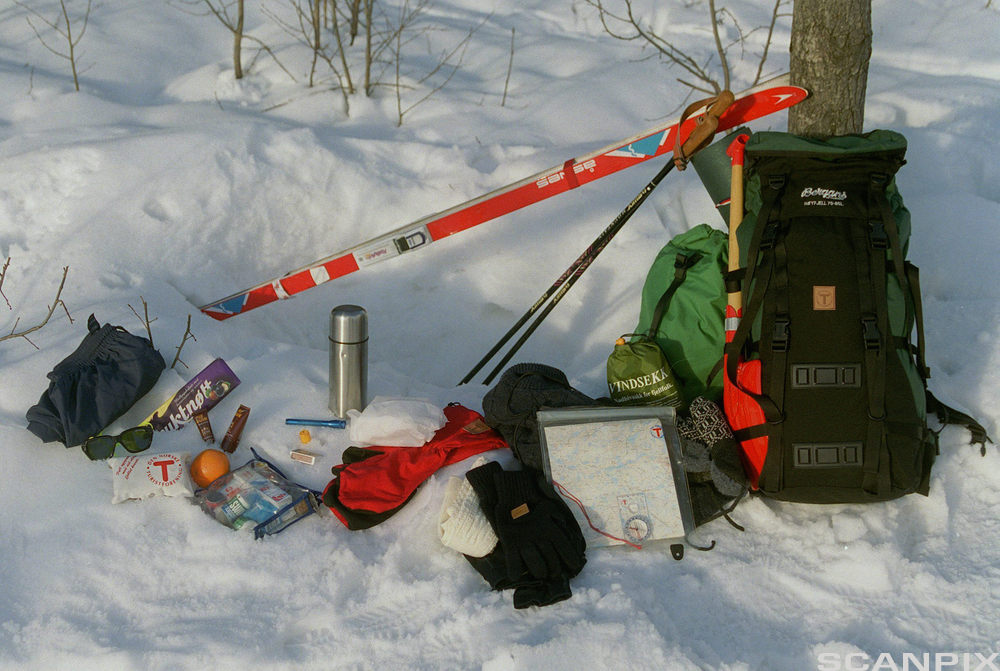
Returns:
<point x="144" y="475"/>
<point x="257" y="496"/>
<point x="199" y="395"/>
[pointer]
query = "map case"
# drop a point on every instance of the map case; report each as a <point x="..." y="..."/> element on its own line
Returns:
<point x="620" y="471"/>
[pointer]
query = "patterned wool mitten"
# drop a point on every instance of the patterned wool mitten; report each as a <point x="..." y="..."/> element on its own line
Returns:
<point x="711" y="452"/>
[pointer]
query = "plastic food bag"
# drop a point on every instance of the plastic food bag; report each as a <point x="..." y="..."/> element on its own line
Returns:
<point x="145" y="475"/>
<point x="257" y="496"/>
<point x="399" y="422"/>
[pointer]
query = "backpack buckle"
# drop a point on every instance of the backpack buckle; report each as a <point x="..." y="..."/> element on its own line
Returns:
<point x="780" y="334"/>
<point x="769" y="235"/>
<point x="682" y="262"/>
<point x="879" y="179"/>
<point x="877" y="234"/>
<point x="870" y="333"/>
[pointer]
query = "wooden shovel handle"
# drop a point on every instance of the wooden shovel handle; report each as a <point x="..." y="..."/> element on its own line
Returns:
<point x="735" y="152"/>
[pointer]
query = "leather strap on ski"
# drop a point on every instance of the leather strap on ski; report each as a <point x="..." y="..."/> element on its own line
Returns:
<point x="701" y="135"/>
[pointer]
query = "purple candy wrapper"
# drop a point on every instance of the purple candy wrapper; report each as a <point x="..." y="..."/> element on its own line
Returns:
<point x="200" y="394"/>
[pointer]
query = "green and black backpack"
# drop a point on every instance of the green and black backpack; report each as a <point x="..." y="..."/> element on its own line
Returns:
<point x="830" y="307"/>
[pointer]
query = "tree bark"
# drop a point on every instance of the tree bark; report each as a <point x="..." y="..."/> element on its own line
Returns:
<point x="831" y="45"/>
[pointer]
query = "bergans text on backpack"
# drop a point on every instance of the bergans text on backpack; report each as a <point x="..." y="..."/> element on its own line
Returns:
<point x="830" y="303"/>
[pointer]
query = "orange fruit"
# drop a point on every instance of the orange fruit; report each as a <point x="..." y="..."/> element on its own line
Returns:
<point x="208" y="466"/>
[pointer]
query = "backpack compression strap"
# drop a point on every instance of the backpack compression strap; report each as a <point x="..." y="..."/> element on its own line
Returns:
<point x="945" y="413"/>
<point x="764" y="235"/>
<point x="949" y="415"/>
<point x="682" y="262"/>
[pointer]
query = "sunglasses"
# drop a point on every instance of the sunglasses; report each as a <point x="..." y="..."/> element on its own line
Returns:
<point x="133" y="440"/>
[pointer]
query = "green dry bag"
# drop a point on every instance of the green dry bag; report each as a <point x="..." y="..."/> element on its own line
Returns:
<point x="683" y="309"/>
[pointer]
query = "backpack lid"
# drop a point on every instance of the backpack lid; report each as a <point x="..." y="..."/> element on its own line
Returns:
<point x="877" y="141"/>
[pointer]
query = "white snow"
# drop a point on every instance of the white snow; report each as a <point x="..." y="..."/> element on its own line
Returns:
<point x="166" y="179"/>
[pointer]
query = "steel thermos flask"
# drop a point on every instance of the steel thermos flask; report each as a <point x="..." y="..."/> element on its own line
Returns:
<point x="348" y="359"/>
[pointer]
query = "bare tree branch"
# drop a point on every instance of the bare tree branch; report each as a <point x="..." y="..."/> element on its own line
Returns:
<point x="308" y="32"/>
<point x="775" y="15"/>
<point x="3" y="274"/>
<point x="449" y="61"/>
<point x="724" y="62"/>
<point x="66" y="32"/>
<point x="622" y="23"/>
<point x="187" y="335"/>
<point x="510" y="67"/>
<point x="144" y="318"/>
<point x="14" y="333"/>
<point x="234" y="23"/>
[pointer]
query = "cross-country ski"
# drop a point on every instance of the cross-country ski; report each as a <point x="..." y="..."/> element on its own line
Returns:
<point x="767" y="98"/>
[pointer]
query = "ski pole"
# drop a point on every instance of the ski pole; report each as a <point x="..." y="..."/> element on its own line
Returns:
<point x="575" y="270"/>
<point x="588" y="257"/>
<point x="698" y="138"/>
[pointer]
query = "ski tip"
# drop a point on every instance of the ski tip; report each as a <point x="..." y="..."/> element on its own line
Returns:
<point x="226" y="308"/>
<point x="219" y="316"/>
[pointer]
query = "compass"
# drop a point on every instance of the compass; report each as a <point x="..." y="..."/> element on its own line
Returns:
<point x="638" y="528"/>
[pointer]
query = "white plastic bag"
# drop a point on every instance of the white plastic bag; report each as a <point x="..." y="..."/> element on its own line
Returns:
<point x="396" y="422"/>
<point x="145" y="475"/>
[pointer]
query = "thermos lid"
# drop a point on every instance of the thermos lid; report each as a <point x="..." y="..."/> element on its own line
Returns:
<point x="348" y="324"/>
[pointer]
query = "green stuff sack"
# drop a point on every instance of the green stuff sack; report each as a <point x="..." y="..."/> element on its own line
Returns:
<point x="683" y="309"/>
<point x="639" y="374"/>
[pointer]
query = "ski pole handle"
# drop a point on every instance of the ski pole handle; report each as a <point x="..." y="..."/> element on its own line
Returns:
<point x="704" y="129"/>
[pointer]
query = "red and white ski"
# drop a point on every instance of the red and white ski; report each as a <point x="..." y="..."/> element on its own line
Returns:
<point x="772" y="96"/>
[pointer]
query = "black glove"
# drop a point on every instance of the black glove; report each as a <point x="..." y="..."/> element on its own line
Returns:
<point x="493" y="568"/>
<point x="537" y="531"/>
<point x="481" y="480"/>
<point x="542" y="592"/>
<point x="527" y="590"/>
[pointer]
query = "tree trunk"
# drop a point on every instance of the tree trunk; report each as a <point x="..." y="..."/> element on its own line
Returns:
<point x="830" y="48"/>
<point x="238" y="42"/>
<point x="368" y="47"/>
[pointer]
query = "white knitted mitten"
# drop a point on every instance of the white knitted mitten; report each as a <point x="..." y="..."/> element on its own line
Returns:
<point x="462" y="525"/>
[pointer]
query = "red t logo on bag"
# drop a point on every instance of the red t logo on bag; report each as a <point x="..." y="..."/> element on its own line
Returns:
<point x="165" y="469"/>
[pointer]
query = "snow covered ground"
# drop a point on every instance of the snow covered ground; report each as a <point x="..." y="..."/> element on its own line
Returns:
<point x="166" y="179"/>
